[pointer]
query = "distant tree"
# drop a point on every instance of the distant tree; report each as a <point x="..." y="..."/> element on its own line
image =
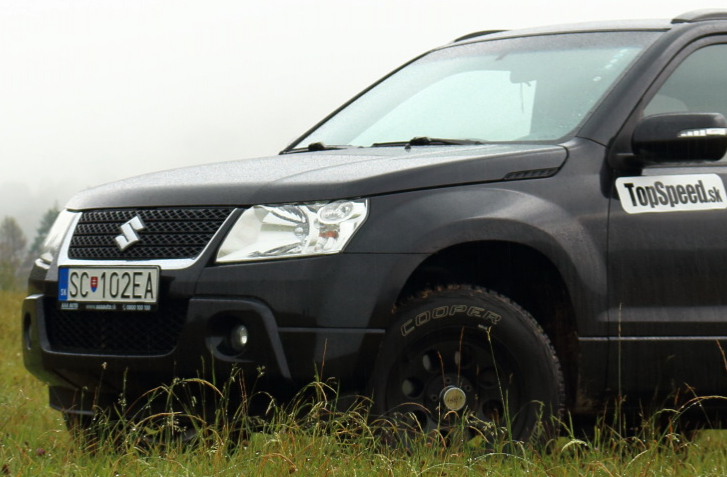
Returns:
<point x="46" y="222"/>
<point x="12" y="250"/>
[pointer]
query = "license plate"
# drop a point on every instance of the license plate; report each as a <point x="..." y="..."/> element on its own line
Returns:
<point x="97" y="288"/>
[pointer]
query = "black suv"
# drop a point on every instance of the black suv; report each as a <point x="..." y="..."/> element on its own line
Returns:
<point x="514" y="223"/>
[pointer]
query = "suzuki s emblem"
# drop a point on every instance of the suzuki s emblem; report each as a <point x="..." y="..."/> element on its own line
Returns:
<point x="128" y="235"/>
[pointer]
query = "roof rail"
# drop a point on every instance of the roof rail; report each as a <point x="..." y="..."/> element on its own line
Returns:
<point x="701" y="15"/>
<point x="476" y="34"/>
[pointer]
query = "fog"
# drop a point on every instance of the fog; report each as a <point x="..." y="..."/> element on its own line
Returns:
<point x="93" y="91"/>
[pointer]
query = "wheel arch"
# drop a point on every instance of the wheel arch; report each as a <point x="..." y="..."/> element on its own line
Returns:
<point x="520" y="272"/>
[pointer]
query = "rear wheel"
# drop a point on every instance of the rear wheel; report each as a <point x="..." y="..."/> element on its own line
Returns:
<point x="464" y="362"/>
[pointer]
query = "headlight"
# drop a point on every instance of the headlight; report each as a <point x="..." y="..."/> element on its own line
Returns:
<point x="265" y="232"/>
<point x="55" y="236"/>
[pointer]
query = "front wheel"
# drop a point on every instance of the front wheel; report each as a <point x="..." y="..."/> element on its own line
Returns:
<point x="467" y="359"/>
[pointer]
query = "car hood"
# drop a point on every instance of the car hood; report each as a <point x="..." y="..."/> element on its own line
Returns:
<point x="311" y="176"/>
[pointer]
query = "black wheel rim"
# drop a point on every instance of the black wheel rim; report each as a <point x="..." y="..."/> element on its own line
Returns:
<point x="464" y="359"/>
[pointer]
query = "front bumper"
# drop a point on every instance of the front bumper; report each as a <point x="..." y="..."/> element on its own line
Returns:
<point x="308" y="318"/>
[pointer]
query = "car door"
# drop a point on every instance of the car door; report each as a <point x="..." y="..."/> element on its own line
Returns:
<point x="667" y="248"/>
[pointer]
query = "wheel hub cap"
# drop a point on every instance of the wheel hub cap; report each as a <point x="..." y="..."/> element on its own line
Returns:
<point x="453" y="398"/>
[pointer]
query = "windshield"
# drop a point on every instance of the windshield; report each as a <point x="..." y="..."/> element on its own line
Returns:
<point x="537" y="88"/>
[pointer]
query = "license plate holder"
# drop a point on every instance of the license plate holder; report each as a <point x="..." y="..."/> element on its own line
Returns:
<point x="108" y="288"/>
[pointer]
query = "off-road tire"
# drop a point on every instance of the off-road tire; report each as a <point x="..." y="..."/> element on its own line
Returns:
<point x="485" y="346"/>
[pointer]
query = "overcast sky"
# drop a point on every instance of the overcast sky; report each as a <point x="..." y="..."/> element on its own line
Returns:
<point x="96" y="90"/>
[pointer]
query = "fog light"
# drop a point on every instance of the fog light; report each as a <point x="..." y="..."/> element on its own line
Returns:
<point x="238" y="338"/>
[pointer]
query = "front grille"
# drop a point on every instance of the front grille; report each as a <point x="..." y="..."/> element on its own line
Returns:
<point x="115" y="332"/>
<point x="168" y="233"/>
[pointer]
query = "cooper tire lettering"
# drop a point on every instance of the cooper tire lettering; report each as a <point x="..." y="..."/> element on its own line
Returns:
<point x="407" y="327"/>
<point x="443" y="312"/>
<point x="475" y="311"/>
<point x="458" y="309"/>
<point x="493" y="317"/>
<point x="440" y="312"/>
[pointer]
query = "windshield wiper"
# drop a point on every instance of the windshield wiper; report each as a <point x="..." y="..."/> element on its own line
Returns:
<point x="319" y="146"/>
<point x="430" y="141"/>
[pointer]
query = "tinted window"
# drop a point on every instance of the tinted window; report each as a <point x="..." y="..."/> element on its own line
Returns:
<point x="698" y="85"/>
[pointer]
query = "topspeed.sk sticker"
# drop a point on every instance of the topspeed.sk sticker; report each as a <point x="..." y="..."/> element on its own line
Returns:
<point x="671" y="193"/>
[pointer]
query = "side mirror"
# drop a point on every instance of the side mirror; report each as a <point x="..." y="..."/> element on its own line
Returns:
<point x="680" y="137"/>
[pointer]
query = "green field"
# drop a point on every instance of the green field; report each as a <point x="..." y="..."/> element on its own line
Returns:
<point x="34" y="441"/>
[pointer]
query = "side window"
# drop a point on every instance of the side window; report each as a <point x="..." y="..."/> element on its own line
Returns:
<point x="698" y="85"/>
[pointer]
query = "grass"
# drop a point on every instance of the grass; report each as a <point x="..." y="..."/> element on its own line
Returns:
<point x="34" y="441"/>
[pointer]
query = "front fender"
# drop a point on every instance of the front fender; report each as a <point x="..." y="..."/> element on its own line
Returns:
<point x="566" y="226"/>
